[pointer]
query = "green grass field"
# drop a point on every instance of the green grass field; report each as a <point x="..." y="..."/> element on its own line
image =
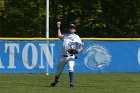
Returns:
<point x="84" y="83"/>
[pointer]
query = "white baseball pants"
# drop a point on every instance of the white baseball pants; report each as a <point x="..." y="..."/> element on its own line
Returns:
<point x="62" y="62"/>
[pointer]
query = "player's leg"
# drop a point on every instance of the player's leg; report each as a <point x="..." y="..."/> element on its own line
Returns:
<point x="71" y="64"/>
<point x="60" y="67"/>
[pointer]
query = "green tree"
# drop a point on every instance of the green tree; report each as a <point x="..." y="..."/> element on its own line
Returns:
<point x="94" y="18"/>
<point x="99" y="18"/>
<point x="22" y="18"/>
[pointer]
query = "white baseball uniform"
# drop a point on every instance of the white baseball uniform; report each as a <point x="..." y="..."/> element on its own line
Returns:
<point x="69" y="41"/>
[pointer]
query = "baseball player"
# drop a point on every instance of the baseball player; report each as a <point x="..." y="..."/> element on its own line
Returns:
<point x="71" y="45"/>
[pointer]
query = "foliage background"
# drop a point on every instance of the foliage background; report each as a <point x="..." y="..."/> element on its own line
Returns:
<point x="94" y="18"/>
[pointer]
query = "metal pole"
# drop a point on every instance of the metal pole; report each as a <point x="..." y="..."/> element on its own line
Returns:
<point x="47" y="18"/>
<point x="47" y="32"/>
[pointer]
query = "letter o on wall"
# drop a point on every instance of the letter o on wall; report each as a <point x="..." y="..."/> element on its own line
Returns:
<point x="25" y="56"/>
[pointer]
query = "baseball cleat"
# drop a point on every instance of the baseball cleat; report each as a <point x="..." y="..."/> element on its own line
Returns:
<point x="54" y="83"/>
<point x="71" y="85"/>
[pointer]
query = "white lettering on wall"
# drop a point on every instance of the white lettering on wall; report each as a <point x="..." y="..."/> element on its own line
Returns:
<point x="28" y="56"/>
<point x="1" y="66"/>
<point x="11" y="47"/>
<point x="25" y="56"/>
<point x="49" y="56"/>
<point x="139" y="56"/>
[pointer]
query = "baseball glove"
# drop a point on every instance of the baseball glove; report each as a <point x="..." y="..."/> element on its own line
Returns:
<point x="73" y="51"/>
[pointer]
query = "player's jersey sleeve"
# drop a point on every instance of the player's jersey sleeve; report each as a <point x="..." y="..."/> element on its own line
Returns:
<point x="79" y="40"/>
<point x="61" y="37"/>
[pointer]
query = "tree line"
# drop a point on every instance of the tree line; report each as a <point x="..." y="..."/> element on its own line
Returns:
<point x="93" y="18"/>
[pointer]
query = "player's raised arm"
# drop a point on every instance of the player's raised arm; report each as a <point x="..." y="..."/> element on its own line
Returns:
<point x="59" y="30"/>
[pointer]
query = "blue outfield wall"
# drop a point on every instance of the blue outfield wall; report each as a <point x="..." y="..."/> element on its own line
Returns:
<point x="41" y="56"/>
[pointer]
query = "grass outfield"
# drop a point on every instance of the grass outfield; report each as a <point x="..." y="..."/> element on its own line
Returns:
<point x="84" y="83"/>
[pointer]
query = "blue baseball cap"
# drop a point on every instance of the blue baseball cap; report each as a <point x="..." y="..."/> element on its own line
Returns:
<point x="72" y="26"/>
